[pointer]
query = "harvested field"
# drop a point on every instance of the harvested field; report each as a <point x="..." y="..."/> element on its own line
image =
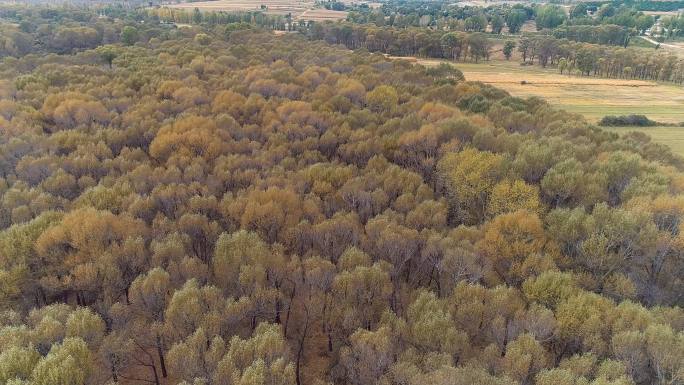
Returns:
<point x="321" y="15"/>
<point x="300" y="9"/>
<point x="272" y="6"/>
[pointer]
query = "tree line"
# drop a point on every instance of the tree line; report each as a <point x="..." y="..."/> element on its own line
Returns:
<point x="583" y="58"/>
<point x="597" y="60"/>
<point x="442" y="15"/>
<point x="643" y="5"/>
<point x="607" y="34"/>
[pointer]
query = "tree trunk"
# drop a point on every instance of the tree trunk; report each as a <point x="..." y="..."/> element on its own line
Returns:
<point x="154" y="372"/>
<point x="330" y="344"/>
<point x="300" y="351"/>
<point x="277" y="311"/>
<point x="289" y="308"/>
<point x="162" y="362"/>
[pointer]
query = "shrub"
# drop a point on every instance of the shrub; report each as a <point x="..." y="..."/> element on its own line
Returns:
<point x="627" y="120"/>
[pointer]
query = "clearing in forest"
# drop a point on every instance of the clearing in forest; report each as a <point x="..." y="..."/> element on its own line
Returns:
<point x="592" y="97"/>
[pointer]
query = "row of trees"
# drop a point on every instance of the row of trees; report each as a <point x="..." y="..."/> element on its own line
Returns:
<point x="597" y="60"/>
<point x="182" y="16"/>
<point x="607" y="34"/>
<point x="413" y="42"/>
<point x="404" y="14"/>
<point x="246" y="208"/>
<point x="642" y="5"/>
<point x="585" y="59"/>
<point x="473" y="19"/>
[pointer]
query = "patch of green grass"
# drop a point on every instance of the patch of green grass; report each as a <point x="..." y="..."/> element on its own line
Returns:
<point x="667" y="114"/>
<point x="672" y="137"/>
<point x="637" y="41"/>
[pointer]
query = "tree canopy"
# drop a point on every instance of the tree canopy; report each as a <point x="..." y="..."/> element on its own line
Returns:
<point x="210" y="208"/>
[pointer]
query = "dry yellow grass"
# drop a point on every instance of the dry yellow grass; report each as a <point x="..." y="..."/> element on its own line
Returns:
<point x="592" y="97"/>
<point x="321" y="15"/>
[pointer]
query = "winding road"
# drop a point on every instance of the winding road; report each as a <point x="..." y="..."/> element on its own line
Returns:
<point x="648" y="39"/>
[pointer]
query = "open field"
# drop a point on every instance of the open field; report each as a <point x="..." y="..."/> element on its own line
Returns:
<point x="673" y="137"/>
<point x="300" y="9"/>
<point x="592" y="97"/>
<point x="320" y="14"/>
<point x="487" y="3"/>
<point x="272" y="6"/>
<point x="663" y="13"/>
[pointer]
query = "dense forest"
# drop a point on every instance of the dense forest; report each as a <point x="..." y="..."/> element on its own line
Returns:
<point x="234" y="207"/>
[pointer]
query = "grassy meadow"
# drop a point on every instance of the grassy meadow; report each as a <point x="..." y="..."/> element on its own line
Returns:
<point x="592" y="97"/>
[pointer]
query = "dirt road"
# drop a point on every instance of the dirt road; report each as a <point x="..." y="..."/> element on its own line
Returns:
<point x="648" y="39"/>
